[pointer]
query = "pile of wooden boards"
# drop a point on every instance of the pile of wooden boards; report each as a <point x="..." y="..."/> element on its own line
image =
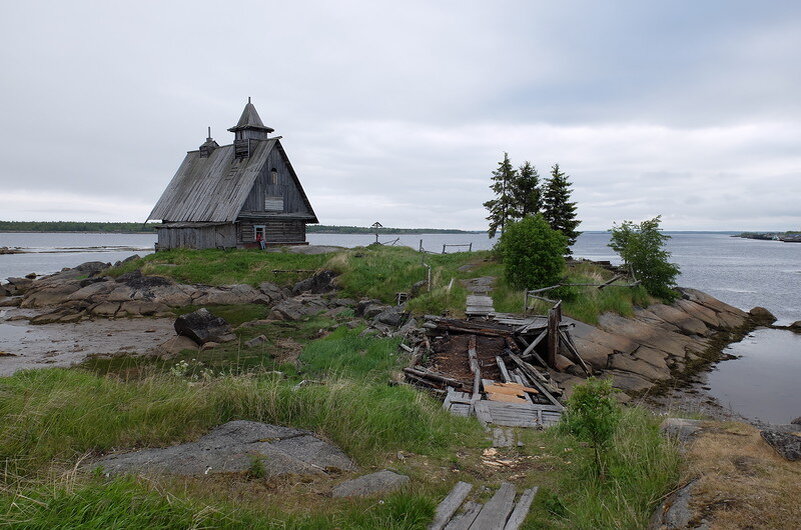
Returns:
<point x="524" y="397"/>
<point x="500" y="512"/>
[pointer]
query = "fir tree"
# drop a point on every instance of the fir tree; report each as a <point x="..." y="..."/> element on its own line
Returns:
<point x="526" y="192"/>
<point x="501" y="208"/>
<point x="557" y="208"/>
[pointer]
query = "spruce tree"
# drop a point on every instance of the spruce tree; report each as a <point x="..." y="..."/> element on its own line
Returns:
<point x="526" y="192"/>
<point x="501" y="208"/>
<point x="557" y="208"/>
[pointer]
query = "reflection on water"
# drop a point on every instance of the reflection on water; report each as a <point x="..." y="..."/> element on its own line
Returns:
<point x="764" y="382"/>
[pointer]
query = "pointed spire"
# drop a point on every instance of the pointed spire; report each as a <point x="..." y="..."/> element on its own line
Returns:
<point x="250" y="120"/>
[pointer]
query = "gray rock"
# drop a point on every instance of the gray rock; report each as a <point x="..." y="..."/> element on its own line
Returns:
<point x="176" y="345"/>
<point x="203" y="326"/>
<point x="50" y="295"/>
<point x="361" y="305"/>
<point x="795" y="326"/>
<point x="797" y="421"/>
<point x="233" y="448"/>
<point x="675" y="512"/>
<point x="105" y="309"/>
<point x="3" y="291"/>
<point x="373" y="310"/>
<point x="681" y="429"/>
<point x="11" y="301"/>
<point x="786" y="444"/>
<point x="762" y="315"/>
<point x="299" y="307"/>
<point x="384" y="481"/>
<point x="256" y="341"/>
<point x="19" y="285"/>
<point x="322" y="282"/>
<point x="392" y="316"/>
<point x="272" y="291"/>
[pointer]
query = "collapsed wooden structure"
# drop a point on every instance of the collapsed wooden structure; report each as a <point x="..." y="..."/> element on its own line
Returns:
<point x="509" y="358"/>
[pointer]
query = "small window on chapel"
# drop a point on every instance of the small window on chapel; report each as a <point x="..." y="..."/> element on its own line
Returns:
<point x="273" y="176"/>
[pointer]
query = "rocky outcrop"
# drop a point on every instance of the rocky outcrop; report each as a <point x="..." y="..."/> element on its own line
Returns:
<point x="236" y="447"/>
<point x="322" y="282"/>
<point x="383" y="481"/>
<point x="203" y="326"/>
<point x="788" y="445"/>
<point x="299" y="307"/>
<point x="762" y="316"/>
<point x="657" y="342"/>
<point x="86" y="292"/>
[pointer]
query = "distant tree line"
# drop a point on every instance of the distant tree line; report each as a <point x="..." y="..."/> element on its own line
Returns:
<point x="74" y="226"/>
<point x="85" y="226"/>
<point x="520" y="194"/>
<point x="330" y="229"/>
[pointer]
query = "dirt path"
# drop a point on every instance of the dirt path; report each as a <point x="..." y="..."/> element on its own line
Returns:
<point x="67" y="344"/>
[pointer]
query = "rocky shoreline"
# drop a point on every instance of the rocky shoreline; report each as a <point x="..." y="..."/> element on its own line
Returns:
<point x="646" y="353"/>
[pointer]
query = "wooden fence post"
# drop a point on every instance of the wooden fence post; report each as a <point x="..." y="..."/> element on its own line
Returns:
<point x="554" y="319"/>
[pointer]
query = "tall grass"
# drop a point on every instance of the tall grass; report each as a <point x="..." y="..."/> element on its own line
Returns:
<point x="224" y="267"/>
<point x="582" y="303"/>
<point x="346" y="353"/>
<point x="124" y="503"/>
<point x="642" y="468"/>
<point x="59" y="415"/>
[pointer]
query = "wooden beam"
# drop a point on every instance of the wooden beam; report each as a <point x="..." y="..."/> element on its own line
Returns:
<point x="449" y="505"/>
<point x="473" y="357"/>
<point x="521" y="509"/>
<point x="534" y="376"/>
<point x="572" y="349"/>
<point x="502" y="368"/>
<point x="554" y="319"/>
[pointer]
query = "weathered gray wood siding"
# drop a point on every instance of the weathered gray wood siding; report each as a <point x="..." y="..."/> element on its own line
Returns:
<point x="275" y="231"/>
<point x="286" y="187"/>
<point x="215" y="236"/>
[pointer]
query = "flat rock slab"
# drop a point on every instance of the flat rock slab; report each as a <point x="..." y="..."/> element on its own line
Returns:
<point x="232" y="448"/>
<point x="788" y="445"/>
<point x="383" y="481"/>
<point x="681" y="428"/>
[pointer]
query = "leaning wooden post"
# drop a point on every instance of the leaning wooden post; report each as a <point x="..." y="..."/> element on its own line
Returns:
<point x="470" y="248"/>
<point x="554" y="319"/>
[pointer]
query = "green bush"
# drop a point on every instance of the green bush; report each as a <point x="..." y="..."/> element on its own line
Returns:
<point x="533" y="253"/>
<point x="642" y="247"/>
<point x="592" y="416"/>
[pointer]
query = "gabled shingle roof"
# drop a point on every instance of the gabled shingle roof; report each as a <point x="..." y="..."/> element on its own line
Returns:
<point x="212" y="188"/>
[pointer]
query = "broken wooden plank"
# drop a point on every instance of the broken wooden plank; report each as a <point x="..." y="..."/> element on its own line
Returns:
<point x="466" y="518"/>
<point x="530" y="348"/>
<point x="521" y="509"/>
<point x="495" y="512"/>
<point x="513" y="389"/>
<point x="427" y="374"/>
<point x="502" y="368"/>
<point x="569" y="346"/>
<point x="554" y="319"/>
<point x="527" y="368"/>
<point x="471" y="354"/>
<point x="449" y="505"/>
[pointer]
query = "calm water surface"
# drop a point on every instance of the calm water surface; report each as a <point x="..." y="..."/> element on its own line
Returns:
<point x="741" y="272"/>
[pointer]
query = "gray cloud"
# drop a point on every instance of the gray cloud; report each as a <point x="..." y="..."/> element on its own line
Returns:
<point x="400" y="112"/>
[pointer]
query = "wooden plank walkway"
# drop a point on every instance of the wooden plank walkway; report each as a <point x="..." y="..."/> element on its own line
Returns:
<point x="479" y="305"/>
<point x="501" y="512"/>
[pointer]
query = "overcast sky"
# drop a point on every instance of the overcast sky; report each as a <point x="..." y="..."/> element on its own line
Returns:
<point x="399" y="111"/>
